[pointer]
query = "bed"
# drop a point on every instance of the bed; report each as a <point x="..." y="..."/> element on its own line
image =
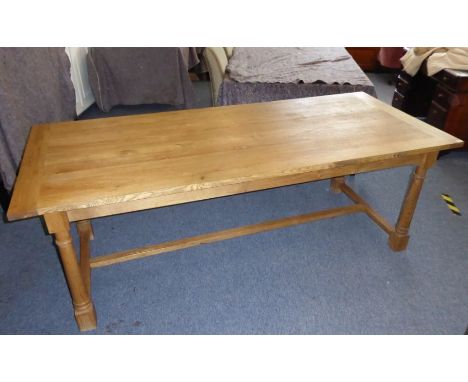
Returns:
<point x="268" y="74"/>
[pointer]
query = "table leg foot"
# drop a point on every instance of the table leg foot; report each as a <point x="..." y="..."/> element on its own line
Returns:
<point x="398" y="242"/>
<point x="86" y="316"/>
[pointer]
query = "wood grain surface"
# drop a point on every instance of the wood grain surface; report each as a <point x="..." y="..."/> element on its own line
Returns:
<point x="103" y="162"/>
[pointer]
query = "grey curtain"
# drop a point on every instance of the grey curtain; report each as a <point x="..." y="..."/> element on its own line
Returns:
<point x="134" y="76"/>
<point x="35" y="87"/>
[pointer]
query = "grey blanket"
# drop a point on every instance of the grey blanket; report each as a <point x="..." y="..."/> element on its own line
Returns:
<point x="133" y="76"/>
<point x="269" y="74"/>
<point x="295" y="65"/>
<point x="35" y="87"/>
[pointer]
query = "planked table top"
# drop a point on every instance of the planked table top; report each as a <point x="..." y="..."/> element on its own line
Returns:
<point x="82" y="164"/>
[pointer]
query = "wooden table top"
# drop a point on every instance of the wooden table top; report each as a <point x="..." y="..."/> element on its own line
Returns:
<point x="81" y="164"/>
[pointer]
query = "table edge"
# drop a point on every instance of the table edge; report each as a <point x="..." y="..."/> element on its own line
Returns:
<point x="409" y="156"/>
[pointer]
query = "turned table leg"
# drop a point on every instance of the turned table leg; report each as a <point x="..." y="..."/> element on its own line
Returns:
<point x="336" y="183"/>
<point x="398" y="239"/>
<point x="85" y="232"/>
<point x="85" y="315"/>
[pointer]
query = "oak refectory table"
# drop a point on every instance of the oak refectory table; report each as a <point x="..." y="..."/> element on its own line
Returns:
<point x="79" y="170"/>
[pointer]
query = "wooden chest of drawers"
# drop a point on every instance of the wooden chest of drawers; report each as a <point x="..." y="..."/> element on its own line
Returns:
<point x="366" y="57"/>
<point x="441" y="100"/>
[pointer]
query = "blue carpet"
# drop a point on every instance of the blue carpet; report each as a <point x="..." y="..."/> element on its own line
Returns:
<point x="336" y="276"/>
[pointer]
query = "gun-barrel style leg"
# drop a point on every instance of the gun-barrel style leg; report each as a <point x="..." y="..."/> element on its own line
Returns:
<point x="85" y="315"/>
<point x="398" y="239"/>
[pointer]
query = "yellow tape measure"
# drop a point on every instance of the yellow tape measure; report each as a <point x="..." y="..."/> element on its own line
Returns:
<point x="450" y="204"/>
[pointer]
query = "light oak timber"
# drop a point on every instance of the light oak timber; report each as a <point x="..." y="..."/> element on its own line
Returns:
<point x="30" y="171"/>
<point x="175" y="245"/>
<point x="85" y="315"/>
<point x="336" y="183"/>
<point x="398" y="240"/>
<point x="234" y="189"/>
<point x="376" y="217"/>
<point x="92" y="163"/>
<point x="80" y="170"/>
<point x="85" y="232"/>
